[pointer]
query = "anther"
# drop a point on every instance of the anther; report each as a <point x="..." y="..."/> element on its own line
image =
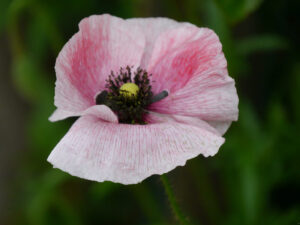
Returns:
<point x="159" y="97"/>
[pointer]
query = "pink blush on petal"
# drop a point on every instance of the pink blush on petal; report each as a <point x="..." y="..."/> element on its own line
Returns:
<point x="194" y="72"/>
<point x="176" y="63"/>
<point x="103" y="44"/>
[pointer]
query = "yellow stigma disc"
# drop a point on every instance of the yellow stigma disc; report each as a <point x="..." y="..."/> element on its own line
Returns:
<point x="129" y="89"/>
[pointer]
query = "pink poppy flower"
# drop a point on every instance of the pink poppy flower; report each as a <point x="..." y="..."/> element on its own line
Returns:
<point x="150" y="94"/>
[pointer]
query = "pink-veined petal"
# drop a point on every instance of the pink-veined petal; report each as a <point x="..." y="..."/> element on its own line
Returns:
<point x="100" y="111"/>
<point x="60" y="114"/>
<point x="189" y="63"/>
<point x="152" y="28"/>
<point x="103" y="44"/>
<point x="220" y="126"/>
<point x="153" y="117"/>
<point x="127" y="154"/>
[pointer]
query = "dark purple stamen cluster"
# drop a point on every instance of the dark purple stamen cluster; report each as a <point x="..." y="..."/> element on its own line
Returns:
<point x="130" y="110"/>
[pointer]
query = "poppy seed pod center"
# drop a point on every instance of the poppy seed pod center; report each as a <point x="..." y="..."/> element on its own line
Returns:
<point x="129" y="90"/>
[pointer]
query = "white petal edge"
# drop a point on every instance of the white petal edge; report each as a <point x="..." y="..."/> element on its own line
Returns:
<point x="127" y="154"/>
<point x="100" y="111"/>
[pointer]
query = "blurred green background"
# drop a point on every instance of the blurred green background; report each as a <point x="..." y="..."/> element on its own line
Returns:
<point x="254" y="179"/>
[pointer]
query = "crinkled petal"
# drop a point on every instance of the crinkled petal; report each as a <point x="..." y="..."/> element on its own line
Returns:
<point x="103" y="44"/>
<point x="189" y="63"/>
<point x="152" y="28"/>
<point x="153" y="117"/>
<point x="100" y="111"/>
<point x="127" y="154"/>
<point x="60" y="114"/>
<point x="220" y="126"/>
<point x="216" y="127"/>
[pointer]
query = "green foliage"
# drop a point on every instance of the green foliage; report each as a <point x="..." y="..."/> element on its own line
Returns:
<point x="261" y="43"/>
<point x="254" y="179"/>
<point x="237" y="10"/>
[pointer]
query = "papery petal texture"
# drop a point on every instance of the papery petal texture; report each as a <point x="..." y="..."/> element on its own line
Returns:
<point x="153" y="118"/>
<point x="220" y="126"/>
<point x="189" y="63"/>
<point x="101" y="111"/>
<point x="60" y="114"/>
<point x="127" y="154"/>
<point x="152" y="28"/>
<point x="103" y="44"/>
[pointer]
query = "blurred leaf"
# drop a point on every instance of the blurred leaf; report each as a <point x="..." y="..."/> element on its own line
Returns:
<point x="43" y="135"/>
<point x="46" y="205"/>
<point x="203" y="182"/>
<point x="295" y="91"/>
<point x="102" y="190"/>
<point x="148" y="202"/>
<point x="277" y="119"/>
<point x="291" y="217"/>
<point x="261" y="43"/>
<point x="29" y="79"/>
<point x="47" y="25"/>
<point x="37" y="42"/>
<point x="215" y="20"/>
<point x="15" y="8"/>
<point x="236" y="10"/>
<point x="245" y="147"/>
<point x="4" y="6"/>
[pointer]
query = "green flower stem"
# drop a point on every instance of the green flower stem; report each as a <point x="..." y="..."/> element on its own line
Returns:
<point x="172" y="200"/>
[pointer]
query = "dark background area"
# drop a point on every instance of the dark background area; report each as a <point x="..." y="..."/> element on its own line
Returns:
<point x="254" y="179"/>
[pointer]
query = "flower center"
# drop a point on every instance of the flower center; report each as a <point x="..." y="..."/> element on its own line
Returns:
<point x="129" y="94"/>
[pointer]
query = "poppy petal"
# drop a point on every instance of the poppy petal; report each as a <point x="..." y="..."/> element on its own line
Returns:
<point x="127" y="154"/>
<point x="103" y="44"/>
<point x="152" y="28"/>
<point x="189" y="63"/>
